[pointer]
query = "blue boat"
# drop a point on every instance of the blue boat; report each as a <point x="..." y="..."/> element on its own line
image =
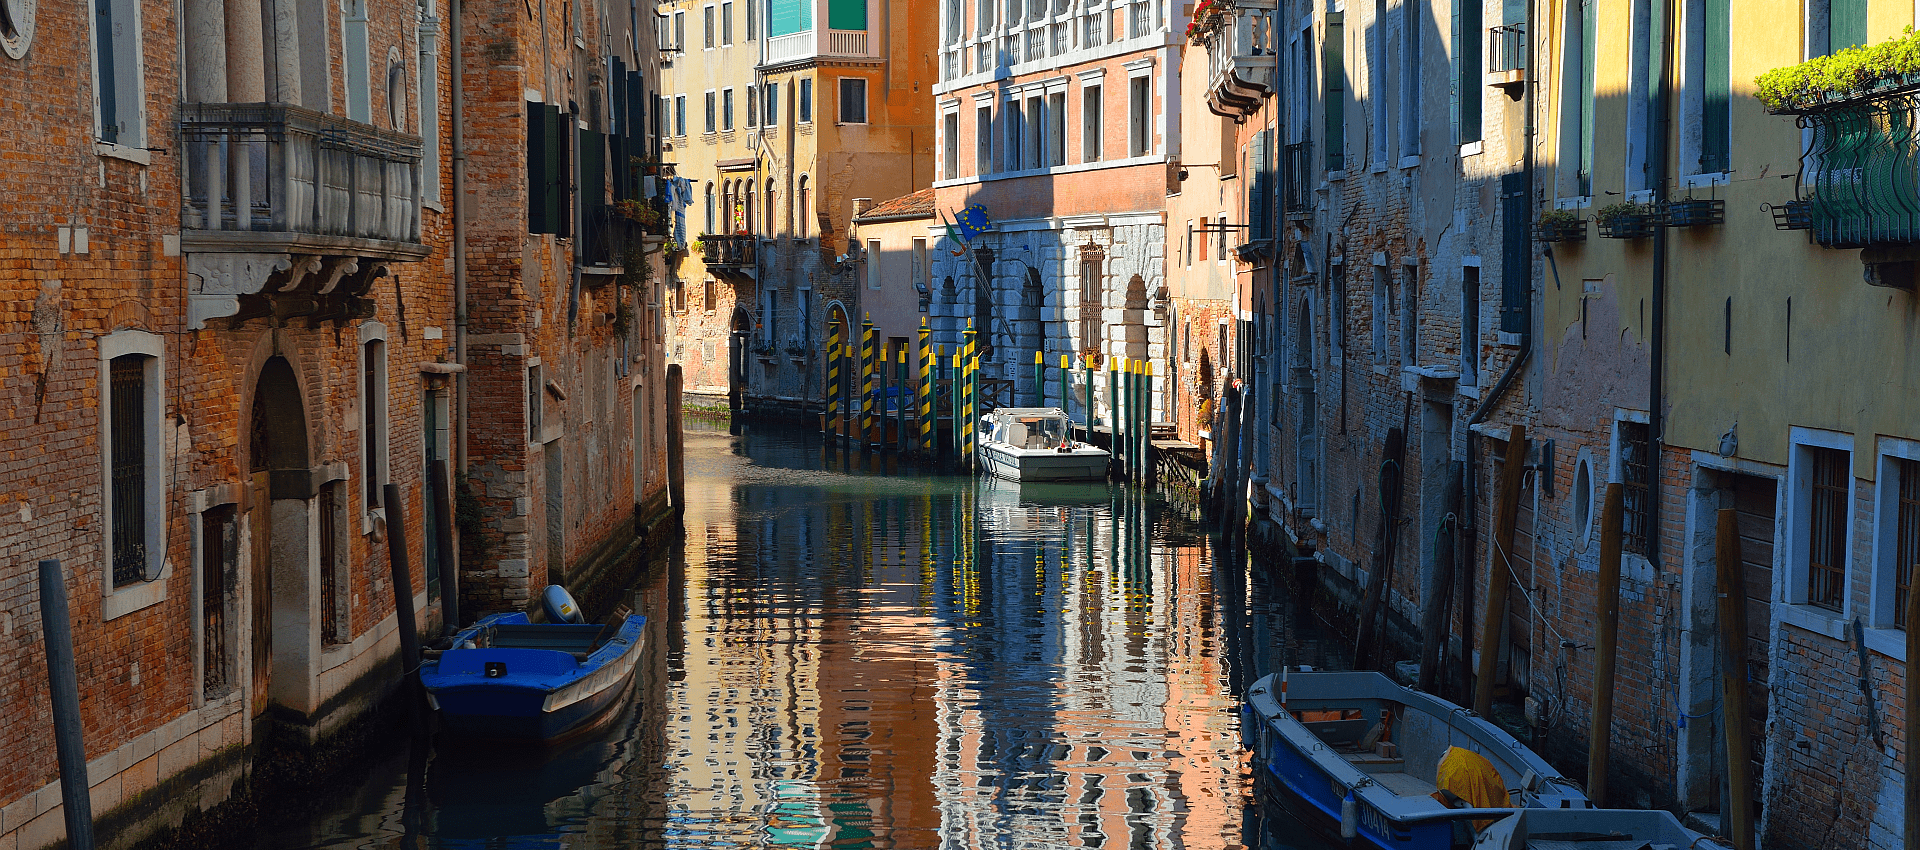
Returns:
<point x="1374" y="764"/>
<point x="509" y="677"/>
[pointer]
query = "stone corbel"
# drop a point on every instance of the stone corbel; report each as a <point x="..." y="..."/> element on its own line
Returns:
<point x="215" y="282"/>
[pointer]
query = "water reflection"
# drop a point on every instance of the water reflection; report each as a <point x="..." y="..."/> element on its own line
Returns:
<point x="844" y="659"/>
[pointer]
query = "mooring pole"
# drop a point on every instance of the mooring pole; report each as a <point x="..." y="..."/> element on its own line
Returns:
<point x="1733" y="680"/>
<point x="1146" y="426"/>
<point x="1607" y="642"/>
<point x="1039" y="379"/>
<point x="867" y="368"/>
<point x="1498" y="573"/>
<point x="402" y="578"/>
<point x="442" y="542"/>
<point x="1113" y="413"/>
<point x="833" y="379"/>
<point x="971" y="367"/>
<point x="901" y="401"/>
<point x="676" y="441"/>
<point x="926" y="391"/>
<point x="63" y="689"/>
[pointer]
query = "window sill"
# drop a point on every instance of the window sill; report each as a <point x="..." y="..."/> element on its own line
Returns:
<point x="1378" y="168"/>
<point x="138" y="156"/>
<point x="122" y="601"/>
<point x="1410" y="161"/>
<point x="1819" y="621"/>
<point x="1577" y="203"/>
<point x="1888" y="641"/>
<point x="1336" y="176"/>
<point x="1717" y="178"/>
<point x="1472" y="149"/>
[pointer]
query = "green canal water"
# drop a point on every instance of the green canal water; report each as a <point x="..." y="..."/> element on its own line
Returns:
<point x="849" y="653"/>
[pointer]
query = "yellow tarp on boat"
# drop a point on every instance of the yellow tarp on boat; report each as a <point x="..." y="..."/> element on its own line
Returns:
<point x="1469" y="776"/>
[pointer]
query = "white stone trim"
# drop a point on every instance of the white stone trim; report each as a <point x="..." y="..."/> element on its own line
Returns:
<point x="371" y="331"/>
<point x="118" y="602"/>
<point x="1793" y="538"/>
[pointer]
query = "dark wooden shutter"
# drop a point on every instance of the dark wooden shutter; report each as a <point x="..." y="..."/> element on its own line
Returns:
<point x="593" y="195"/>
<point x="1516" y="256"/>
<point x="1333" y="71"/>
<point x="128" y="379"/>
<point x="1716" y="119"/>
<point x="1260" y="204"/>
<point x="538" y="182"/>
<point x="559" y="172"/>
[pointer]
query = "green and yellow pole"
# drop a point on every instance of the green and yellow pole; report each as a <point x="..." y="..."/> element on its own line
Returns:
<point x="1086" y="372"/>
<point x="969" y="366"/>
<point x="926" y="389"/>
<point x="1113" y="412"/>
<point x="833" y="378"/>
<point x="1066" y="377"/>
<point x="1039" y="379"/>
<point x="1146" y="425"/>
<point x="867" y="367"/>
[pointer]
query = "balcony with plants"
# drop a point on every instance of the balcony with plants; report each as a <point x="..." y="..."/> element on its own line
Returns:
<point x="1859" y="181"/>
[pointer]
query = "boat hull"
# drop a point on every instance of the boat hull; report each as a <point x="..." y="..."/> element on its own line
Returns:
<point x="1029" y="465"/>
<point x="533" y="694"/>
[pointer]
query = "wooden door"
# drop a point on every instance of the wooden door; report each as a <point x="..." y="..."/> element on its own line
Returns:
<point x="259" y="516"/>
<point x="1754" y="515"/>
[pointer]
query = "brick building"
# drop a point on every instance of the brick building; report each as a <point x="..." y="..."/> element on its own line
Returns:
<point x="231" y="266"/>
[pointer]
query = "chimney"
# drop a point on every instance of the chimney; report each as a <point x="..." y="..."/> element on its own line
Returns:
<point x="860" y="206"/>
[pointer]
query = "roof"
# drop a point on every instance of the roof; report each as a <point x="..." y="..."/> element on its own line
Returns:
<point x="916" y="205"/>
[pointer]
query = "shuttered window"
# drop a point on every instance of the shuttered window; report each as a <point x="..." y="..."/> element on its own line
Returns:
<point x="128" y="415"/>
<point x="1467" y="32"/>
<point x="1906" y="534"/>
<point x="1635" y="475"/>
<point x="1716" y="114"/>
<point x="547" y="170"/>
<point x="1260" y="200"/>
<point x="1333" y="77"/>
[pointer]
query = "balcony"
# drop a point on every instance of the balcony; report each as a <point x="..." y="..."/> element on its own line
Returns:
<point x="1507" y="57"/>
<point x="279" y="200"/>
<point x="818" y="44"/>
<point x="1243" y="56"/>
<point x="729" y="253"/>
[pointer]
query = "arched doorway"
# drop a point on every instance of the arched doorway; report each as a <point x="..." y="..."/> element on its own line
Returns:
<point x="737" y="358"/>
<point x="281" y="556"/>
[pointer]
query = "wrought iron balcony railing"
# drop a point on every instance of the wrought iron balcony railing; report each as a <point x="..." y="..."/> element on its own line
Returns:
<point x="279" y="177"/>
<point x="1859" y="175"/>
<point x="728" y="252"/>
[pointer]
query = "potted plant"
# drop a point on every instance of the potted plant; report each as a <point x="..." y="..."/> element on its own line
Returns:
<point x="1694" y="212"/>
<point x="1855" y="72"/>
<point x="1626" y="220"/>
<point x="1559" y="225"/>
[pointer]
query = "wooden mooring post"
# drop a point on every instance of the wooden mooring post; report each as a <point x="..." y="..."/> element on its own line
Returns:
<point x="1732" y="589"/>
<point x="1506" y="516"/>
<point x="1607" y="638"/>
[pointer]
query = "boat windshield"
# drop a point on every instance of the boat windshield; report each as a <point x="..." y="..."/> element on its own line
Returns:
<point x="1044" y="432"/>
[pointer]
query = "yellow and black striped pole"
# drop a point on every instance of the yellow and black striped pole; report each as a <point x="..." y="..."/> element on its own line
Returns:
<point x="968" y="416"/>
<point x="926" y="389"/>
<point x="868" y="336"/>
<point x="833" y="377"/>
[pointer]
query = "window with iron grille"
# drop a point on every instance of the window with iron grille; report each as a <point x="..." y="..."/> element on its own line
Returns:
<point x="331" y="622"/>
<point x="217" y="541"/>
<point x="373" y="418"/>
<point x="129" y="414"/>
<point x="1636" y="508"/>
<point x="1906" y="534"/>
<point x="1827" y="529"/>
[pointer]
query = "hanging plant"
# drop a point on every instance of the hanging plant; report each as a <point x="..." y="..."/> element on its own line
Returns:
<point x="1854" y="72"/>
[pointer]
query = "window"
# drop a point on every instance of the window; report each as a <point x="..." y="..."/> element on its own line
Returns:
<point x="1826" y="527"/>
<point x="1470" y="326"/>
<point x="1378" y="320"/>
<point x="1706" y="135"/>
<point x="1903" y="505"/>
<point x="706" y="31"/>
<point x="333" y="629"/>
<point x="353" y="37"/>
<point x="1333" y="76"/>
<point x="711" y="110"/>
<point x="1633" y="460"/>
<point x="950" y="145"/>
<point x="680" y="31"/>
<point x="373" y="412"/>
<point x="726" y="24"/>
<point x="1090" y="124"/>
<point x="853" y="100"/>
<point x="680" y="115"/>
<point x="805" y="108"/>
<point x="708" y="296"/>
<point x="752" y="108"/>
<point x="726" y="109"/>
<point x="1036" y="131"/>
<point x="1410" y="315"/>
<point x="1576" y="98"/>
<point x="662" y="33"/>
<point x="772" y="225"/>
<point x="131" y="455"/>
<point x="536" y="414"/>
<point x="921" y="284"/>
<point x="1642" y="66"/>
<point x="1410" y="122"/>
<point x="1379" y="151"/>
<point x="802" y="229"/>
<point x="397" y="97"/>
<point x="1467" y="32"/>
<point x="548" y="168"/>
<point x="1139" y="112"/>
<point x="711" y="222"/>
<point x="219" y="551"/>
<point x="1015" y="121"/>
<point x="1835" y="25"/>
<point x="983" y="140"/>
<point x="770" y="103"/>
<point x="753" y="20"/>
<point x="1057" y="128"/>
<point x="873" y="264"/>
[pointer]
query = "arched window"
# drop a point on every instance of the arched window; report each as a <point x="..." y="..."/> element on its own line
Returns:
<point x="802" y="227"/>
<point x="746" y="199"/>
<point x="397" y="97"/>
<point x="710" y="208"/>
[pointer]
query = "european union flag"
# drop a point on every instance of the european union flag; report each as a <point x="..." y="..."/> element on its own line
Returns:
<point x="972" y="221"/>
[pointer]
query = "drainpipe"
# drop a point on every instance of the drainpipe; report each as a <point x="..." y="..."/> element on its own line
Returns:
<point x="1657" y="330"/>
<point x="459" y="209"/>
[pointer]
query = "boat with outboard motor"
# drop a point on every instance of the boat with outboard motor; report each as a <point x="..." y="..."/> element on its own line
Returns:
<point x="1037" y="444"/>
<point x="508" y="676"/>
<point x="1362" y="758"/>
<point x="1593" y="829"/>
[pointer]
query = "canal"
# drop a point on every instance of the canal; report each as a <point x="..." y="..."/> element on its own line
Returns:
<point x="843" y="657"/>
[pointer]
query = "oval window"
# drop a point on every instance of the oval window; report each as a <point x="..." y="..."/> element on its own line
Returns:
<point x="1583" y="500"/>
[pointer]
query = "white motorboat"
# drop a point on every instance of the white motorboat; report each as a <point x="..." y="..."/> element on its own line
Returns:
<point x="1036" y="444"/>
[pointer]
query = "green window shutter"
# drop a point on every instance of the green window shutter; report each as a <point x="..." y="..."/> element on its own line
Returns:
<point x="1846" y="24"/>
<point x="1588" y="27"/>
<point x="1333" y="90"/>
<point x="847" y="14"/>
<point x="1716" y="133"/>
<point x="557" y="176"/>
<point x="537" y="179"/>
<point x="1260" y="202"/>
<point x="593" y="169"/>
<point x="1472" y="39"/>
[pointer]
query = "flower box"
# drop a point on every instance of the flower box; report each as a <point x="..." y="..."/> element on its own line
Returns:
<point x="1627" y="221"/>
<point x="1566" y="228"/>
<point x="1793" y="215"/>
<point x="1695" y="212"/>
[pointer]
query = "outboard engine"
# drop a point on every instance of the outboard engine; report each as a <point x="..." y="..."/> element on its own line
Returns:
<point x="559" y="605"/>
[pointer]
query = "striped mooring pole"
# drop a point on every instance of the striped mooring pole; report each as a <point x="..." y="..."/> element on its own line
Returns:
<point x="969" y="366"/>
<point x="867" y="367"/>
<point x="926" y="389"/>
<point x="833" y="378"/>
